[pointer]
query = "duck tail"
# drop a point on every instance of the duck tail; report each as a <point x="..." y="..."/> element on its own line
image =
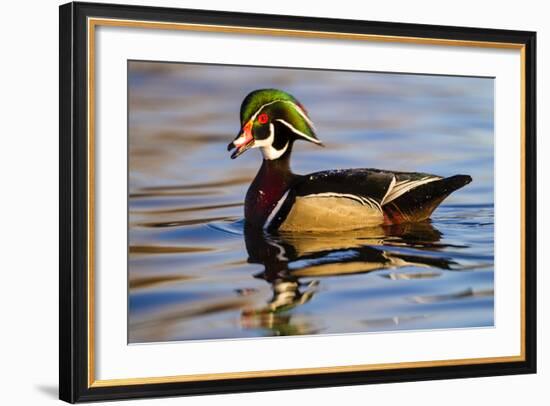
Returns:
<point x="419" y="203"/>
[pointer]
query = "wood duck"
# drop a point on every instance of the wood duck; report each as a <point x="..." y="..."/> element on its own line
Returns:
<point x="332" y="200"/>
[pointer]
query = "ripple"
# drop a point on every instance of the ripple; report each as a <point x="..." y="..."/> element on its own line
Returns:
<point x="163" y="249"/>
<point x="409" y="276"/>
<point x="231" y="227"/>
<point x="191" y="209"/>
<point x="465" y="294"/>
<point x="153" y="281"/>
<point x="156" y="194"/>
<point x="182" y="223"/>
<point x="202" y="185"/>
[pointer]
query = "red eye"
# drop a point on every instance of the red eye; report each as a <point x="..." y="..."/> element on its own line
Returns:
<point x="262" y="118"/>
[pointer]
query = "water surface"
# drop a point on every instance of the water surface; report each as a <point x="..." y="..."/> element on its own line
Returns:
<point x="195" y="272"/>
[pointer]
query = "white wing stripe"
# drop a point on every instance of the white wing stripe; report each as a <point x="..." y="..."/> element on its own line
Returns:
<point x="390" y="187"/>
<point x="375" y="203"/>
<point x="397" y="189"/>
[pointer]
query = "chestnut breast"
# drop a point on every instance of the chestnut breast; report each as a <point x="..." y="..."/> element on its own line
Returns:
<point x="264" y="193"/>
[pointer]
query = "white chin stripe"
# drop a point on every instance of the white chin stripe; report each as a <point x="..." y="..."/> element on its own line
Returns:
<point x="271" y="153"/>
<point x="266" y="146"/>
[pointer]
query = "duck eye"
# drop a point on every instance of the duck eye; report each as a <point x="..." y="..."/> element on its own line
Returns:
<point x="262" y="118"/>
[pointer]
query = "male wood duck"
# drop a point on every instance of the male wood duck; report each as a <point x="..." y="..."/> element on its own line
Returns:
<point x="338" y="199"/>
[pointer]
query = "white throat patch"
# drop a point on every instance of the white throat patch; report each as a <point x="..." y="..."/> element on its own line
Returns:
<point x="266" y="145"/>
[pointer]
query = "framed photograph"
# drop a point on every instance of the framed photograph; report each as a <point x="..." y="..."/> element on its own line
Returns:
<point x="256" y="202"/>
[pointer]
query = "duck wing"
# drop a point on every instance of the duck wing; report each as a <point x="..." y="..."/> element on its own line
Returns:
<point x="376" y="196"/>
<point x="415" y="199"/>
<point x="367" y="185"/>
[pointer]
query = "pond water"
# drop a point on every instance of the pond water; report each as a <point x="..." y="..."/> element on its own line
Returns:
<point x="195" y="272"/>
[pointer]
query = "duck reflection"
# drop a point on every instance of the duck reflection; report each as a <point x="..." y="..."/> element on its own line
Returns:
<point x="295" y="263"/>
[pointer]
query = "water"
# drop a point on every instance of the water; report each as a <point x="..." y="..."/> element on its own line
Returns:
<point x="195" y="272"/>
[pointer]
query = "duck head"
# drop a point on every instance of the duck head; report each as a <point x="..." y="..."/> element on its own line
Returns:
<point x="272" y="120"/>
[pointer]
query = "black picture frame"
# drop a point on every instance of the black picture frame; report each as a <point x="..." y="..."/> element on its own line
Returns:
<point x="74" y="385"/>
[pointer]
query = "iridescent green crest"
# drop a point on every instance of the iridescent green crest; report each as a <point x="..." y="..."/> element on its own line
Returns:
<point x="280" y="107"/>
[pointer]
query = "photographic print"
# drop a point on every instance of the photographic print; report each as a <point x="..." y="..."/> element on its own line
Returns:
<point x="355" y="201"/>
<point x="255" y="202"/>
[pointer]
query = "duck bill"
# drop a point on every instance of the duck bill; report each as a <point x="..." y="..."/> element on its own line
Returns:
<point x="243" y="142"/>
